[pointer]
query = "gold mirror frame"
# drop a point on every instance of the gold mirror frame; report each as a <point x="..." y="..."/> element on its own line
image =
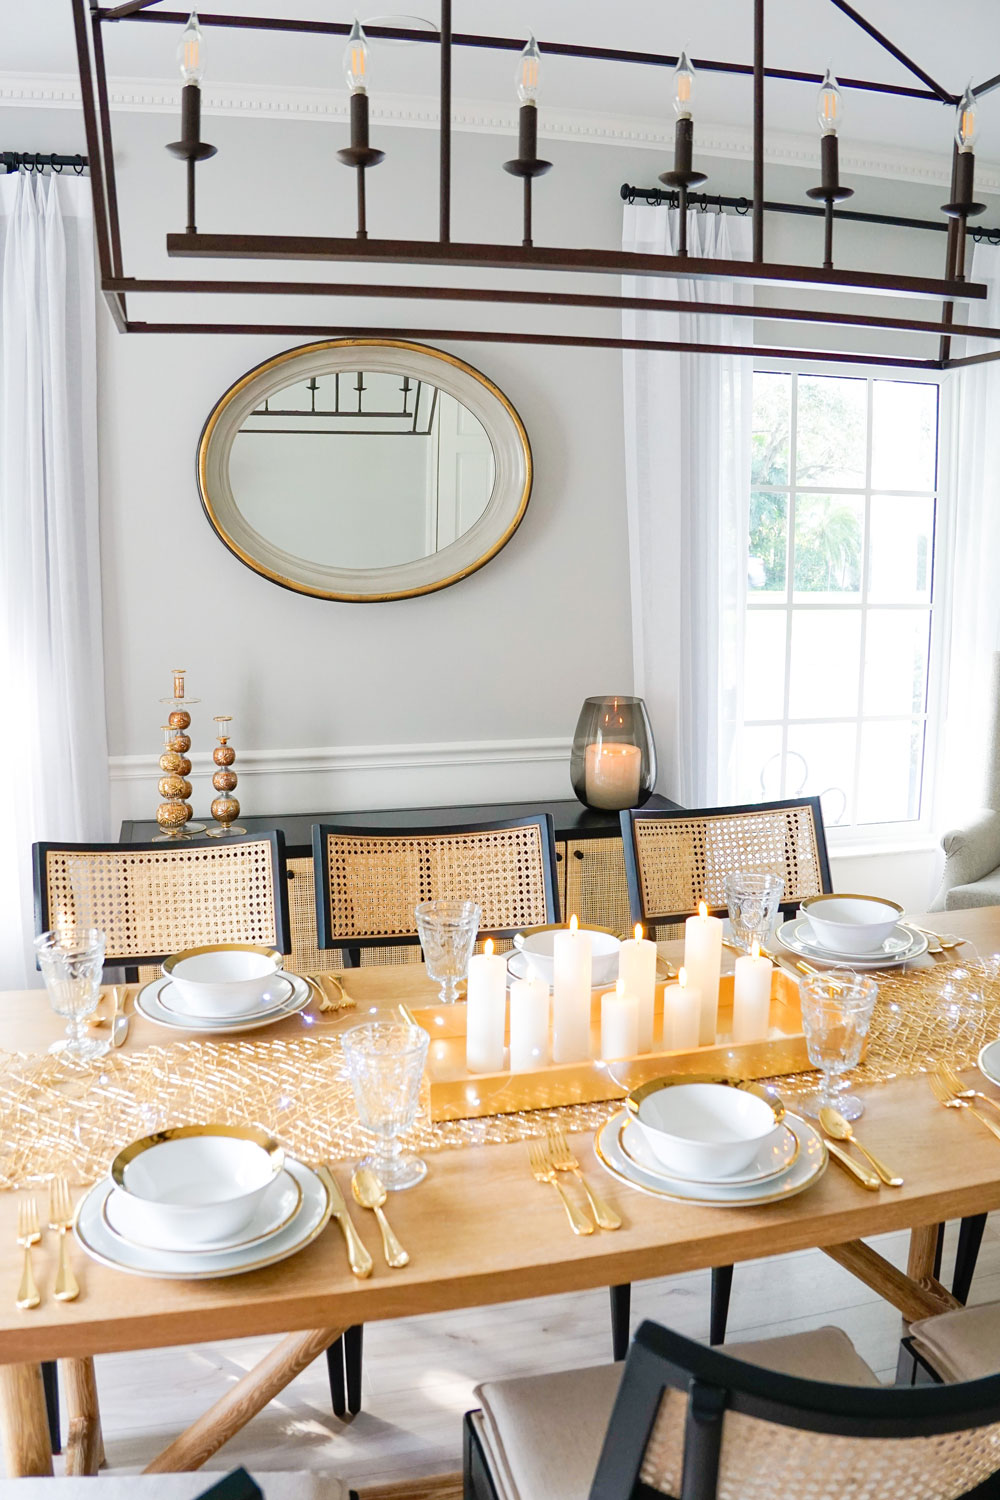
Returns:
<point x="472" y="550"/>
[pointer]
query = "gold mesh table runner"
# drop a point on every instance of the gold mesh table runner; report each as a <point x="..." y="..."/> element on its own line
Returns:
<point x="57" y="1116"/>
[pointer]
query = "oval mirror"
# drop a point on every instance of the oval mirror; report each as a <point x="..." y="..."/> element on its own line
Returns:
<point x="364" y="469"/>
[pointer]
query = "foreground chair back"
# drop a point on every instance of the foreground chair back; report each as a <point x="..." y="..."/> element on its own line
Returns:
<point x="675" y="859"/>
<point x="155" y="899"/>
<point x="368" y="880"/>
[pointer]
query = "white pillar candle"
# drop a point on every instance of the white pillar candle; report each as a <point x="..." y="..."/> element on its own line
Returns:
<point x="752" y="997"/>
<point x="681" y="1015"/>
<point x="529" y="1023"/>
<point x="703" y="962"/>
<point x="485" y="1011"/>
<point x="571" y="986"/>
<point x="619" y="1023"/>
<point x="611" y="774"/>
<point x="637" y="967"/>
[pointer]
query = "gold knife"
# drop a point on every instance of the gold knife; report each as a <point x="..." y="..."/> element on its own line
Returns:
<point x="361" y="1262"/>
<point x="865" y="1177"/>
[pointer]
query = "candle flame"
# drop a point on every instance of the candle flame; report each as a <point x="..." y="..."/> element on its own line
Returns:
<point x="638" y="932"/>
<point x="488" y="948"/>
<point x="703" y="911"/>
<point x="619" y="986"/>
<point x="573" y="923"/>
<point x="682" y="978"/>
<point x="755" y="949"/>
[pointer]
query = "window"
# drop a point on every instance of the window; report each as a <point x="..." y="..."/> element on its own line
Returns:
<point x="840" y="593"/>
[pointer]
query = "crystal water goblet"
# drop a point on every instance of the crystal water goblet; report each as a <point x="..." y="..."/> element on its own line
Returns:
<point x="836" y="1014"/>
<point x="385" y="1063"/>
<point x="72" y="963"/>
<point x="753" y="900"/>
<point x="447" y="931"/>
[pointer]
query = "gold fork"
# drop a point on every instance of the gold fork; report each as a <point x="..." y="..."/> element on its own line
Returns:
<point x="60" y="1219"/>
<point x="951" y="1079"/>
<point x="328" y="1002"/>
<point x="942" y="1092"/>
<point x="563" y="1160"/>
<point x="543" y="1171"/>
<point x="28" y="1234"/>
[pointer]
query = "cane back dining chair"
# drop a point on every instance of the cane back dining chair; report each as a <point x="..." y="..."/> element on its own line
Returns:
<point x="795" y="1418"/>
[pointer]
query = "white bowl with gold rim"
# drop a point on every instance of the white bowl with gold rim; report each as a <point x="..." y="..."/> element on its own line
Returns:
<point x="222" y="979"/>
<point x="538" y="946"/>
<point x="194" y="1184"/>
<point x="704" y="1130"/>
<point x="851" y="924"/>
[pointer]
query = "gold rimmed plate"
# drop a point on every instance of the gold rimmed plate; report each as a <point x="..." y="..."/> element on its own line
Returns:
<point x="283" y="1202"/>
<point x="149" y="1005"/>
<point x="773" y="1158"/>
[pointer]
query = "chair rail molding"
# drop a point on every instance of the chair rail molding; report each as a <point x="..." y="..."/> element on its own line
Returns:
<point x="341" y="778"/>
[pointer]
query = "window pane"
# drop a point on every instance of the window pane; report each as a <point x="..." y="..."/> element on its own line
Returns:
<point x="829" y="544"/>
<point x="760" y="765"/>
<point x="832" y="421"/>
<point x="904" y="435"/>
<point x="901" y="538"/>
<point x="772" y="401"/>
<point x="764" y="665"/>
<point x="768" y="542"/>
<point x="891" y="767"/>
<point x="826" y="660"/>
<point x="820" y="763"/>
<point x="896" y="661"/>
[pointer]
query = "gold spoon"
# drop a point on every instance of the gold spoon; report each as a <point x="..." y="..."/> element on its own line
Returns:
<point x="369" y="1193"/>
<point x="834" y="1124"/>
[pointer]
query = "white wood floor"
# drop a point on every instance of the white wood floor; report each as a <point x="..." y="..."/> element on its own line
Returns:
<point x="420" y="1372"/>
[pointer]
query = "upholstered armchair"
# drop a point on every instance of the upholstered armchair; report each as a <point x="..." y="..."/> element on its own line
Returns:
<point x="972" y="854"/>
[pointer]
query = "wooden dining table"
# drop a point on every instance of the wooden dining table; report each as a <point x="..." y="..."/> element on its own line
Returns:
<point x="480" y="1230"/>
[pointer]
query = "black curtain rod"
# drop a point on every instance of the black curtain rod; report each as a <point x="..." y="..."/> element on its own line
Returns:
<point x="705" y="201"/>
<point x="37" y="161"/>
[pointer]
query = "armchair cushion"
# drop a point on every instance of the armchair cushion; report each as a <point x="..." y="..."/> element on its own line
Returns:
<point x="276" y="1486"/>
<point x="971" y="853"/>
<point x="961" y="1345"/>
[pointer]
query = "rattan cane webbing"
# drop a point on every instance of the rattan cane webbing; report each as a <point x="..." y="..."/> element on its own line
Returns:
<point x="596" y="888"/>
<point x="683" y="861"/>
<point x="160" y="901"/>
<point x="764" y="1461"/>
<point x="376" y="881"/>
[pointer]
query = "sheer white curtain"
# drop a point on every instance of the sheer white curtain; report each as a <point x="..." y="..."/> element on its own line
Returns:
<point x="688" y="421"/>
<point x="55" y="760"/>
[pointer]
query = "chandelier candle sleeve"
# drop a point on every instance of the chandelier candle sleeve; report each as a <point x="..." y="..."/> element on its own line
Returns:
<point x="703" y="962"/>
<point x="571" y="990"/>
<point x="485" y="1011"/>
<point x="637" y="968"/>
<point x="619" y="1023"/>
<point x="752" y="997"/>
<point x="681" y="1015"/>
<point x="529" y="1024"/>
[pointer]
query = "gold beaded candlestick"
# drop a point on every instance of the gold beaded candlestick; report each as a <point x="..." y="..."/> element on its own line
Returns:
<point x="225" y="808"/>
<point x="174" y="813"/>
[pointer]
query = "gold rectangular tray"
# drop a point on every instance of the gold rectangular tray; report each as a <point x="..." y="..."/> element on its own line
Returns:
<point x="457" y="1094"/>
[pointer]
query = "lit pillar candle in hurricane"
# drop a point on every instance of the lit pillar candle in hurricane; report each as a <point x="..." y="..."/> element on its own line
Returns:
<point x="681" y="1015"/>
<point x="619" y="1023"/>
<point x="752" y="996"/>
<point x="529" y="1023"/>
<point x="703" y="962"/>
<point x="637" y="968"/>
<point x="485" y="1011"/>
<point x="571" y="986"/>
<point x="611" y="774"/>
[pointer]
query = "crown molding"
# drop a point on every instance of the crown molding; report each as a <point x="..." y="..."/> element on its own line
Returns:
<point x="259" y="101"/>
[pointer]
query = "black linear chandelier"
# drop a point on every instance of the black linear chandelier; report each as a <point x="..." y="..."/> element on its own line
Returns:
<point x="443" y="252"/>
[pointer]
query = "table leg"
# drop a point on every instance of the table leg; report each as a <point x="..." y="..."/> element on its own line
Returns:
<point x="922" y="1258"/>
<point x="915" y="1292"/>
<point x="84" y="1444"/>
<point x="242" y="1401"/>
<point x="24" y="1425"/>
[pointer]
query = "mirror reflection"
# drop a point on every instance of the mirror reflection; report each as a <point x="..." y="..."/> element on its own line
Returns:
<point x="361" y="469"/>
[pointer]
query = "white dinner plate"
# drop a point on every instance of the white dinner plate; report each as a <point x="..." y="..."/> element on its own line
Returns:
<point x="149" y="1004"/>
<point x="989" y="1062"/>
<point x="517" y="968"/>
<point x="101" y="1243"/>
<point x="773" y="1158"/>
<point x="280" y="1204"/>
<point x="791" y="936"/>
<point x="808" y="1167"/>
<point x="277" y="995"/>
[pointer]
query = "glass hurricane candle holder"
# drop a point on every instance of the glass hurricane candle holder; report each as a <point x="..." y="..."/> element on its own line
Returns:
<point x="613" y="762"/>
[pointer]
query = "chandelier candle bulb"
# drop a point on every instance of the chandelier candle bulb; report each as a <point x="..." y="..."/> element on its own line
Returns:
<point x="752" y="997"/>
<point x="529" y="1023"/>
<point x="485" y="1011"/>
<point x="703" y="962"/>
<point x="619" y="1023"/>
<point x="681" y="1015"/>
<point x="612" y="774"/>
<point x="637" y="969"/>
<point x="571" y="988"/>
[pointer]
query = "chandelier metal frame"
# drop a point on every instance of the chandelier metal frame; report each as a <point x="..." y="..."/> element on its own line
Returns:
<point x="89" y="19"/>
